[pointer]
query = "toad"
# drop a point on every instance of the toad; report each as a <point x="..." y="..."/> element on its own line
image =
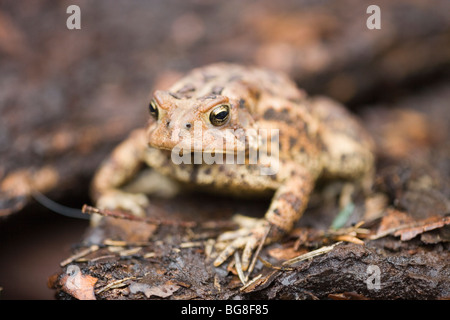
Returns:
<point x="240" y="130"/>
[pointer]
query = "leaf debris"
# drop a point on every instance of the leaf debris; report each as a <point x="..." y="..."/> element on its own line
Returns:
<point x="115" y="284"/>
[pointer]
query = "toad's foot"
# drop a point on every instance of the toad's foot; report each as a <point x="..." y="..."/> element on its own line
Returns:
<point x="248" y="238"/>
<point x="134" y="203"/>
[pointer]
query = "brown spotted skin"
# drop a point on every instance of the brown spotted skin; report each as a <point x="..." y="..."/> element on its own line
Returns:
<point x="317" y="137"/>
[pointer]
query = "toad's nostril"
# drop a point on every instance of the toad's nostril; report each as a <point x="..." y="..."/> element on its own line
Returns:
<point x="188" y="125"/>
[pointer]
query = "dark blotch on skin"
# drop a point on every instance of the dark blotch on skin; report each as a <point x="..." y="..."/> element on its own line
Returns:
<point x="175" y="95"/>
<point x="283" y="115"/>
<point x="295" y="202"/>
<point x="270" y="114"/>
<point x="216" y="90"/>
<point x="209" y="96"/>
<point x="344" y="157"/>
<point x="305" y="125"/>
<point x="186" y="88"/>
<point x="292" y="141"/>
<point x="208" y="77"/>
<point x="285" y="111"/>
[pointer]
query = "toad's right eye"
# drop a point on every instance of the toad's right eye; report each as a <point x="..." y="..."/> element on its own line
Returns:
<point x="220" y="115"/>
<point x="153" y="109"/>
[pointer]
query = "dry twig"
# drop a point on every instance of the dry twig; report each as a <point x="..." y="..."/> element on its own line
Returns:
<point x="128" y="216"/>
<point x="79" y="255"/>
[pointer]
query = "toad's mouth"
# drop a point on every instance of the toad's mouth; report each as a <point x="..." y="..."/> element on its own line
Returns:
<point x="192" y="150"/>
<point x="207" y="146"/>
<point x="192" y="154"/>
<point x="268" y="166"/>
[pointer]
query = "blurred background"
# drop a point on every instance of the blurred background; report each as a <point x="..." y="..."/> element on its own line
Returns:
<point x="67" y="97"/>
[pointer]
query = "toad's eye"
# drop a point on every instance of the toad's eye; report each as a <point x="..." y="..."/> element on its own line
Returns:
<point x="220" y="115"/>
<point x="153" y="108"/>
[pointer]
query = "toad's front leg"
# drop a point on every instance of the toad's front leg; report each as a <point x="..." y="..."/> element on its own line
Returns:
<point x="288" y="205"/>
<point x="121" y="166"/>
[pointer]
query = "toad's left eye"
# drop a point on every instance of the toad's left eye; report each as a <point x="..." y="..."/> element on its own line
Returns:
<point x="153" y="109"/>
<point x="220" y="115"/>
